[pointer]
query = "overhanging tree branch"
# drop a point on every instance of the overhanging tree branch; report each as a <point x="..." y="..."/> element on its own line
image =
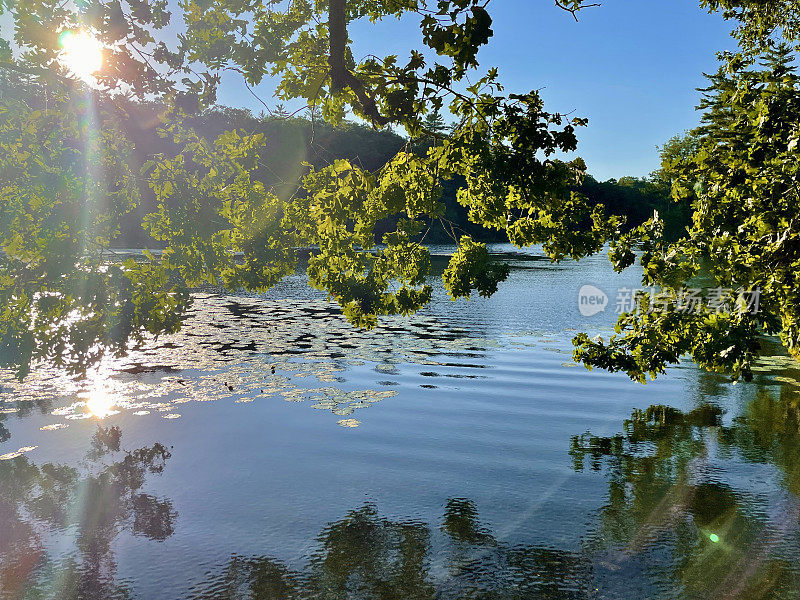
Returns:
<point x="341" y="76"/>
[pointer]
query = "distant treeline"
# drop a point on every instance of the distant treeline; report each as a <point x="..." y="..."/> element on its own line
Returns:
<point x="292" y="140"/>
<point x="295" y="140"/>
<point x="638" y="198"/>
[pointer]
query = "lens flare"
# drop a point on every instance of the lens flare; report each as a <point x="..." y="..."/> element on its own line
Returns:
<point x="81" y="53"/>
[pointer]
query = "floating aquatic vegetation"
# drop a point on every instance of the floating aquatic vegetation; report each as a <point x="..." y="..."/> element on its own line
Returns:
<point x="68" y="410"/>
<point x="295" y="395"/>
<point x="569" y="364"/>
<point x="18" y="453"/>
<point x="255" y="347"/>
<point x="172" y="416"/>
<point x="54" y="427"/>
<point x="771" y="363"/>
<point x="349" y="422"/>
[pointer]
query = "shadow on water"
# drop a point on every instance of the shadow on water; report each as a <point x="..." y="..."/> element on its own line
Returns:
<point x="91" y="506"/>
<point x="691" y="503"/>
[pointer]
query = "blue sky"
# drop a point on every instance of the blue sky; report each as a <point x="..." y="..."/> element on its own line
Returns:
<point x="630" y="66"/>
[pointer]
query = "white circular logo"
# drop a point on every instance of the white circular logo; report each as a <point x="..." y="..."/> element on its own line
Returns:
<point x="591" y="300"/>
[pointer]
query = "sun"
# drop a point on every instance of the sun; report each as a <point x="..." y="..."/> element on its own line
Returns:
<point x="101" y="404"/>
<point x="81" y="53"/>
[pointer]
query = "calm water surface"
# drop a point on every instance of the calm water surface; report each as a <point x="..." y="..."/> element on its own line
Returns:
<point x="271" y="451"/>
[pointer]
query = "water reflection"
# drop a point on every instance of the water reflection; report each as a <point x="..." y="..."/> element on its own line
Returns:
<point x="5" y="434"/>
<point x="21" y="409"/>
<point x="90" y="509"/>
<point x="100" y="403"/>
<point x="366" y="555"/>
<point x="690" y="498"/>
<point x="695" y="503"/>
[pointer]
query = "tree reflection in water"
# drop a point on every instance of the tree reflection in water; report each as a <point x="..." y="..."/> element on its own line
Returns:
<point x="692" y="511"/>
<point x="20" y="409"/>
<point x="672" y="502"/>
<point x="96" y="506"/>
<point x="365" y="555"/>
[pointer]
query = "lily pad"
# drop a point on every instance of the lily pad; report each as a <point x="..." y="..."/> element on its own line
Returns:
<point x="54" y="427"/>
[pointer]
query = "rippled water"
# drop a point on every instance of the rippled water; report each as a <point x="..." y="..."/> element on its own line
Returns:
<point x="271" y="451"/>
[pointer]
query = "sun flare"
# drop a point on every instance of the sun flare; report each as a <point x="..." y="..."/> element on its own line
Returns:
<point x="81" y="53"/>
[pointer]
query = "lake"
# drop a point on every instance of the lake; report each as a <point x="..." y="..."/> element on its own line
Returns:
<point x="269" y="450"/>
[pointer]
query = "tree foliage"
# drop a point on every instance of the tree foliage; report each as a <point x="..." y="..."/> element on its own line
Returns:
<point x="71" y="177"/>
<point x="760" y="23"/>
<point x="741" y="175"/>
<point x="739" y="172"/>
<point x="220" y="225"/>
<point x="66" y="187"/>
